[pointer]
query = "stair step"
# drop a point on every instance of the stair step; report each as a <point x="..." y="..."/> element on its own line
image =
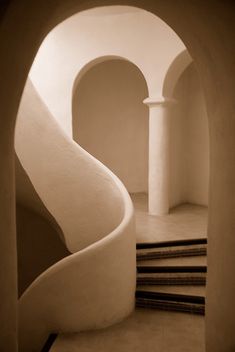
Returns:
<point x="174" y="243"/>
<point x="172" y="275"/>
<point x="191" y="290"/>
<point x="170" y="297"/>
<point x="169" y="305"/>
<point x="171" y="269"/>
<point x="171" y="278"/>
<point x="171" y="252"/>
<point x="183" y="261"/>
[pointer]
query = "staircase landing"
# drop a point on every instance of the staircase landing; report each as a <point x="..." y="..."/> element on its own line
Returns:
<point x="183" y="222"/>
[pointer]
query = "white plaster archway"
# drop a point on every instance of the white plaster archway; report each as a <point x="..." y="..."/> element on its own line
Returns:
<point x="110" y="120"/>
<point x="72" y="45"/>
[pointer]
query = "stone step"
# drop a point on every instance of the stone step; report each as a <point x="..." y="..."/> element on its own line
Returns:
<point x="171" y="277"/>
<point x="171" y="249"/>
<point x="171" y="269"/>
<point x="171" y="252"/>
<point x="171" y="305"/>
<point x="180" y="261"/>
<point x="176" y="297"/>
<point x="172" y="243"/>
<point x="191" y="290"/>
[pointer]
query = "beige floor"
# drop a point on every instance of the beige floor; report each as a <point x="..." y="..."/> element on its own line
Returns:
<point x="184" y="221"/>
<point x="145" y="331"/>
<point x="150" y="330"/>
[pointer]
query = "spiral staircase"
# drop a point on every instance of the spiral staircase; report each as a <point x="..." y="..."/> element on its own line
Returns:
<point x="95" y="213"/>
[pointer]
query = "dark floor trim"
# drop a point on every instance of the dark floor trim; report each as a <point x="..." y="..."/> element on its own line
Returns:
<point x="171" y="306"/>
<point x="49" y="342"/>
<point x="184" y="281"/>
<point x="170" y="297"/>
<point x="174" y="243"/>
<point x="171" y="269"/>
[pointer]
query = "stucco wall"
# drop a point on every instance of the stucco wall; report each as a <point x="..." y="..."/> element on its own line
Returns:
<point x="119" y="31"/>
<point x="110" y="120"/>
<point x="189" y="175"/>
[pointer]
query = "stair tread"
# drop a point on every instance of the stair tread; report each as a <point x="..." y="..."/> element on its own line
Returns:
<point x="173" y="243"/>
<point x="148" y="300"/>
<point x="180" y="261"/>
<point x="173" y="275"/>
<point x="150" y="278"/>
<point x="171" y="305"/>
<point x="172" y="248"/>
<point x="171" y="269"/>
<point x="174" y="289"/>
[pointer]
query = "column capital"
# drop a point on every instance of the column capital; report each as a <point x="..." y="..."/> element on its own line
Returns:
<point x="159" y="100"/>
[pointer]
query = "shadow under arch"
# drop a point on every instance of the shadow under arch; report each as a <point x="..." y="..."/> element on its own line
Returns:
<point x="109" y="119"/>
<point x="177" y="67"/>
<point x="99" y="60"/>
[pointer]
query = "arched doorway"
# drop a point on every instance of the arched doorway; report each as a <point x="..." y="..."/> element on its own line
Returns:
<point x="110" y="120"/>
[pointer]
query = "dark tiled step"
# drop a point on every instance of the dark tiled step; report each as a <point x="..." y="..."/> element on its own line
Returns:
<point x="171" y="278"/>
<point x="184" y="242"/>
<point x="180" y="261"/>
<point x="171" y="269"/>
<point x="193" y="308"/>
<point x="189" y="290"/>
<point x="163" y="296"/>
<point x="171" y="252"/>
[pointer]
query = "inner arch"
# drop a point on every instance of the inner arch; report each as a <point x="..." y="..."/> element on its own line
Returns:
<point x="110" y="120"/>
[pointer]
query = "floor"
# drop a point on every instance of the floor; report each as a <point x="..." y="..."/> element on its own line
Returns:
<point x="144" y="331"/>
<point x="150" y="330"/>
<point x="184" y="221"/>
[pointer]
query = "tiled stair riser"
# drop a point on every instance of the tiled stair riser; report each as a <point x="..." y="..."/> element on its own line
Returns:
<point x="153" y="275"/>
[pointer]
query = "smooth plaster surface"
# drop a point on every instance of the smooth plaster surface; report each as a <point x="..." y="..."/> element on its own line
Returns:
<point x="189" y="142"/>
<point x="54" y="164"/>
<point x="60" y="64"/>
<point x="110" y="120"/>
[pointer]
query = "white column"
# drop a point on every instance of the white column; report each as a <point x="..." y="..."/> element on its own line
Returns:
<point x="158" y="187"/>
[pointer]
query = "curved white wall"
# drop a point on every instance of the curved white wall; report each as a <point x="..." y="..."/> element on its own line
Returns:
<point x="95" y="213"/>
<point x="110" y="120"/>
<point x="60" y="170"/>
<point x="127" y="32"/>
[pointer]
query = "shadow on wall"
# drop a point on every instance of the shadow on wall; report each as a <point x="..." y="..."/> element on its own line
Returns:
<point x="189" y="136"/>
<point x="110" y="120"/>
<point x="39" y="238"/>
<point x="38" y="246"/>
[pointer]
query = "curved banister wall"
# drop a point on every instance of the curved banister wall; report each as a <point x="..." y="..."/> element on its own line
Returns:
<point x="95" y="286"/>
<point x="90" y="289"/>
<point x="60" y="171"/>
